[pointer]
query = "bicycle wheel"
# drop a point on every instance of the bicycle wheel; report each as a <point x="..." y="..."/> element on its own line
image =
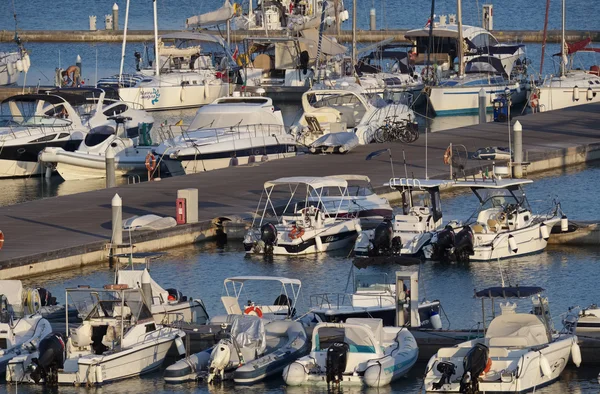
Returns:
<point x="380" y="134"/>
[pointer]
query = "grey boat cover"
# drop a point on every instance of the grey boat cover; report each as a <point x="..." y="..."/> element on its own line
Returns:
<point x="335" y="142"/>
<point x="213" y="18"/>
<point x="249" y="331"/>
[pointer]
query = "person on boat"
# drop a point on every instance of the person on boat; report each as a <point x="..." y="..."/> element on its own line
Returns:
<point x="73" y="74"/>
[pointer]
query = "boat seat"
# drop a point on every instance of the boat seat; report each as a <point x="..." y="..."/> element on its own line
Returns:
<point x="493" y="225"/>
<point x="498" y="352"/>
<point x="478" y="228"/>
<point x="231" y="305"/>
<point x="111" y="337"/>
<point x="510" y="341"/>
<point x="313" y="124"/>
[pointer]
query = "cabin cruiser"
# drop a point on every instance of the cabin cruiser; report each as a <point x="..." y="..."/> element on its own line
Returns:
<point x="190" y="73"/>
<point x="347" y="108"/>
<point x="117" y="339"/>
<point x="408" y="232"/>
<point x="31" y="122"/>
<point x="21" y="328"/>
<point x="230" y="131"/>
<point x="520" y="351"/>
<point x="359" y="351"/>
<point x="302" y="227"/>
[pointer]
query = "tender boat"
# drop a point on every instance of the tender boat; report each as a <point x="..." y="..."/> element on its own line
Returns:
<point x="303" y="227"/>
<point x="230" y="131"/>
<point x="254" y="350"/>
<point x="503" y="226"/>
<point x="342" y="143"/>
<point x="22" y="327"/>
<point x="357" y="352"/>
<point x="408" y="232"/>
<point x="520" y="352"/>
<point x="117" y="339"/>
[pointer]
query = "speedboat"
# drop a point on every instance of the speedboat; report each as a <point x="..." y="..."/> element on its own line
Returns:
<point x="520" y="351"/>
<point x="21" y="328"/>
<point x="357" y="352"/>
<point x="117" y="339"/>
<point x="303" y="227"/>
<point x="503" y="226"/>
<point x="254" y="350"/>
<point x="230" y="131"/>
<point x="348" y="107"/>
<point x="408" y="232"/>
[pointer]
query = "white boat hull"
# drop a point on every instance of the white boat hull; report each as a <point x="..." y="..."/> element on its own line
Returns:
<point x="175" y="96"/>
<point x="465" y="100"/>
<point x="551" y="98"/>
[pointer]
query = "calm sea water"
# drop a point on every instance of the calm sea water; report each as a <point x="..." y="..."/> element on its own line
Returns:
<point x="568" y="274"/>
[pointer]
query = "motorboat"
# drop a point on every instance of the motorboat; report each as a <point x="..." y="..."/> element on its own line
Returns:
<point x="349" y="107"/>
<point x="21" y="328"/>
<point x="357" y="352"/>
<point x="230" y="131"/>
<point x="303" y="227"/>
<point x="114" y="125"/>
<point x="190" y="73"/>
<point x="408" y="232"/>
<point x="503" y="226"/>
<point x="31" y="122"/>
<point x="520" y="351"/>
<point x="492" y="153"/>
<point x="117" y="339"/>
<point x="362" y="201"/>
<point x="254" y="350"/>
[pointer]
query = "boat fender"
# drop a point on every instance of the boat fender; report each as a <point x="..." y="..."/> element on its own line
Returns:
<point x="233" y="162"/>
<point x="182" y="94"/>
<point x="545" y="366"/>
<point x="319" y="243"/>
<point x="206" y="89"/>
<point x="373" y="375"/>
<point x="590" y="94"/>
<point x="576" y="353"/>
<point x="26" y="62"/>
<point x="564" y="224"/>
<point x="435" y="320"/>
<point x="180" y="346"/>
<point x="98" y="373"/>
<point x="576" y="93"/>
<point x="253" y="310"/>
<point x="1" y="240"/>
<point x="544" y="231"/>
<point x="512" y="243"/>
<point x="19" y="64"/>
<point x="294" y="374"/>
<point x="150" y="162"/>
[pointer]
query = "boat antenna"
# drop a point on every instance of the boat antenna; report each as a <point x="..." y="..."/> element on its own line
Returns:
<point x="405" y="168"/>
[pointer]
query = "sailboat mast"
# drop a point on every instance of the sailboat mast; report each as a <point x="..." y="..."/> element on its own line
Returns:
<point x="353" y="34"/>
<point x="545" y="37"/>
<point x="124" y="43"/>
<point x="562" y="42"/>
<point x="460" y="49"/>
<point x="156" y="54"/>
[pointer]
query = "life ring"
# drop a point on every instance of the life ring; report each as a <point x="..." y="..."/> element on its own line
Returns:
<point x="150" y="161"/>
<point x="447" y="156"/>
<point x="296" y="232"/>
<point x="428" y="73"/>
<point x="534" y="100"/>
<point x="253" y="310"/>
<point x="1" y="239"/>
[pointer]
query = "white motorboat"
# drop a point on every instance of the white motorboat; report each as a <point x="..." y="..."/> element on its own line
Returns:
<point x="357" y="352"/>
<point x="301" y="228"/>
<point x="254" y="350"/>
<point x="31" y="122"/>
<point x="190" y="73"/>
<point x="503" y="226"/>
<point x="520" y="352"/>
<point x="348" y="107"/>
<point x="21" y="328"/>
<point x="408" y="232"/>
<point x="117" y="339"/>
<point x="230" y="131"/>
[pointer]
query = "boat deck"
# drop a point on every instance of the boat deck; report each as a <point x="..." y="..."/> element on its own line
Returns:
<point x="72" y="225"/>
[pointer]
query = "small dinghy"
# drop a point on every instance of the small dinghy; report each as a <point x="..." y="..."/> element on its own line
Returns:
<point x="254" y="350"/>
<point x="342" y="142"/>
<point x="367" y="353"/>
<point x="492" y="153"/>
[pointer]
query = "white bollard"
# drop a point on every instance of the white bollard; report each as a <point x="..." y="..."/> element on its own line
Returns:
<point x="117" y="220"/>
<point x="518" y="150"/>
<point x="110" y="167"/>
<point x="482" y="106"/>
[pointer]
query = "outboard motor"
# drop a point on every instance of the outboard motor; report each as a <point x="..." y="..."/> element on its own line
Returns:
<point x="443" y="248"/>
<point x="464" y="245"/>
<point x="46" y="297"/>
<point x="447" y="369"/>
<point x="382" y="239"/>
<point x="335" y="364"/>
<point x="4" y="312"/>
<point x="52" y="358"/>
<point x="176" y="295"/>
<point x="284" y="300"/>
<point x="474" y="364"/>
<point x="268" y="234"/>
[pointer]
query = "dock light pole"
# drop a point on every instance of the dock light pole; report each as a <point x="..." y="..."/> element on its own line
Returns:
<point x="507" y="94"/>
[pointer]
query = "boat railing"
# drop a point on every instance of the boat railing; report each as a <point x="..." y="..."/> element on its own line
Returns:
<point x="28" y="123"/>
<point x="337" y="300"/>
<point x="237" y="132"/>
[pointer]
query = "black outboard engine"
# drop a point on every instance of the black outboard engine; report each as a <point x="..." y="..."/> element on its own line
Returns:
<point x="268" y="234"/>
<point x="176" y="295"/>
<point x="443" y="248"/>
<point x="447" y="369"/>
<point x="335" y="364"/>
<point x="464" y="245"/>
<point x="382" y="239"/>
<point x="474" y="364"/>
<point x="283" y="300"/>
<point x="46" y="297"/>
<point x="52" y="358"/>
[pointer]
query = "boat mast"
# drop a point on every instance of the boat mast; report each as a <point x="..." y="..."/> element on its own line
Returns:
<point x="562" y="42"/>
<point x="156" y="54"/>
<point x="353" y="35"/>
<point x="545" y="37"/>
<point x="124" y="43"/>
<point x="460" y="49"/>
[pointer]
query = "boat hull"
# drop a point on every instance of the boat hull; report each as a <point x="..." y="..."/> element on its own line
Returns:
<point x="162" y="98"/>
<point x="551" y="98"/>
<point x="465" y="100"/>
<point x="22" y="160"/>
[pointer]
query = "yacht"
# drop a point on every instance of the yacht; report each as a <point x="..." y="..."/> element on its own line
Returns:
<point x="303" y="226"/>
<point x="230" y="131"/>
<point x="520" y="351"/>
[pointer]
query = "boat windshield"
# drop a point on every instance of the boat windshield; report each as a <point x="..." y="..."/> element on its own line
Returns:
<point x="499" y="198"/>
<point x="371" y="282"/>
<point x="99" y="303"/>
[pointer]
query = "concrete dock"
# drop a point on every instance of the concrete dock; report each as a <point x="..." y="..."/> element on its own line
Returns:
<point x="524" y="36"/>
<point x="69" y="231"/>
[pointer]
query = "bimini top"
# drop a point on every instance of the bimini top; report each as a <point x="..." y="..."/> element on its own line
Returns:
<point x="314" y="182"/>
<point x="509" y="292"/>
<point x="49" y="98"/>
<point x="351" y="177"/>
<point x="491" y="183"/>
<point x="281" y="279"/>
<point x="415" y="183"/>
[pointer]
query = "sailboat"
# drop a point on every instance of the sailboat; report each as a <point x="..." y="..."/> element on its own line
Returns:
<point x="12" y="64"/>
<point x="572" y="87"/>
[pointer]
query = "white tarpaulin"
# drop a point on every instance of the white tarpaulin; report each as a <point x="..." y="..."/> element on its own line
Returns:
<point x="212" y="18"/>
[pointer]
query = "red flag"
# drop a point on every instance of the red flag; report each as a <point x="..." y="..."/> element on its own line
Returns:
<point x="235" y="53"/>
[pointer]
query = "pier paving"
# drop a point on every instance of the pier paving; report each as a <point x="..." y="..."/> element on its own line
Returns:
<point x="72" y="225"/>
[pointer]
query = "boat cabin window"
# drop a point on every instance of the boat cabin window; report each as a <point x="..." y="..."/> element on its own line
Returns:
<point x="150" y="327"/>
<point x="98" y="135"/>
<point x="116" y="110"/>
<point x="45" y="138"/>
<point x="63" y="135"/>
<point x="439" y="45"/>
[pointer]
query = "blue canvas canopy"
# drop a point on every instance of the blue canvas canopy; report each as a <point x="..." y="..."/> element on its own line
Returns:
<point x="509" y="292"/>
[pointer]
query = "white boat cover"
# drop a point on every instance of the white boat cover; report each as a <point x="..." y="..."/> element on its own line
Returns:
<point x="356" y="338"/>
<point x="133" y="279"/>
<point x="234" y="114"/>
<point x="249" y="331"/>
<point x="149" y="222"/>
<point x="343" y="139"/>
<point x="213" y="18"/>
<point x="517" y="330"/>
<point x="13" y="291"/>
